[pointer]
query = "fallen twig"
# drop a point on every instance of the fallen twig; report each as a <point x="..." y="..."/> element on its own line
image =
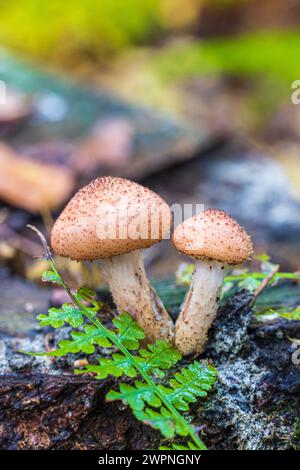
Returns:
<point x="265" y="283"/>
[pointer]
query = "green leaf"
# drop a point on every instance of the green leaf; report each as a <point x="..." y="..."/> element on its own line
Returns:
<point x="82" y="341"/>
<point x="185" y="273"/>
<point x="263" y="257"/>
<point x="279" y="312"/>
<point x="190" y="446"/>
<point x="51" y="276"/>
<point x="57" y="317"/>
<point x="87" y="296"/>
<point x="292" y="315"/>
<point x="193" y="381"/>
<point x="129" y="332"/>
<point x="157" y="356"/>
<point x="250" y="283"/>
<point x="136" y="396"/>
<point x="164" y="421"/>
<point x="116" y="366"/>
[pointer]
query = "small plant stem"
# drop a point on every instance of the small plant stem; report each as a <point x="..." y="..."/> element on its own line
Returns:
<point x="265" y="283"/>
<point x="241" y="277"/>
<point x="48" y="257"/>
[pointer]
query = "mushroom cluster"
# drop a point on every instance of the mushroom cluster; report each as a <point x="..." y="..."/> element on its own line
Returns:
<point x="113" y="219"/>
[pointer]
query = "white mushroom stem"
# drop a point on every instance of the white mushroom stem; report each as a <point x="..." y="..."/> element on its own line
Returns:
<point x="200" y="307"/>
<point x="132" y="292"/>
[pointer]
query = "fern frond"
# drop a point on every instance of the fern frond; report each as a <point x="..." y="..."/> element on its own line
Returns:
<point x="192" y="382"/>
<point x="57" y="317"/>
<point x="88" y="297"/>
<point x="158" y="356"/>
<point x="82" y="341"/>
<point x="163" y="420"/>
<point x="135" y="396"/>
<point x="51" y="276"/>
<point x="129" y="332"/>
<point x="190" y="446"/>
<point x="116" y="366"/>
<point x="70" y="313"/>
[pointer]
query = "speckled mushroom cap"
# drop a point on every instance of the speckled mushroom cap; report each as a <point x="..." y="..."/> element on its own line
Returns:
<point x="213" y="234"/>
<point x="108" y="217"/>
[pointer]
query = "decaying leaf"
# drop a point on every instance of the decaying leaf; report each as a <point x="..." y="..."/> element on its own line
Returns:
<point x="15" y="107"/>
<point x="30" y="185"/>
<point x="109" y="144"/>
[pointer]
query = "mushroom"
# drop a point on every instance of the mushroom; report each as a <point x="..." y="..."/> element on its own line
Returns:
<point x="112" y="219"/>
<point x="214" y="240"/>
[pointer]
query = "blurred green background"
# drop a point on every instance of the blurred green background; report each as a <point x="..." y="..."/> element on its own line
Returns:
<point x="252" y="36"/>
<point x="90" y="29"/>
<point x="224" y="68"/>
<point x="156" y="45"/>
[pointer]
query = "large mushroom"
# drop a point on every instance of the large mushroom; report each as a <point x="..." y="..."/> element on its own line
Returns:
<point x="214" y="240"/>
<point x="112" y="219"/>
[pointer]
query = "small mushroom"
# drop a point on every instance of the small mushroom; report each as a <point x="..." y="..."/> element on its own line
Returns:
<point x="112" y="219"/>
<point x="214" y="240"/>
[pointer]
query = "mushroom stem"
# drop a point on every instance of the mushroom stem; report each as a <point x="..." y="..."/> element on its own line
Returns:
<point x="200" y="307"/>
<point x="132" y="291"/>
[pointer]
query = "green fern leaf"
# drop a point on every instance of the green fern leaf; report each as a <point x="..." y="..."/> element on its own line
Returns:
<point x="163" y="420"/>
<point x="157" y="356"/>
<point x="188" y="384"/>
<point x="129" y="332"/>
<point x="191" y="382"/>
<point x="57" y="317"/>
<point x="69" y="313"/>
<point x="51" y="276"/>
<point x="190" y="446"/>
<point x="82" y="341"/>
<point x="135" y="396"/>
<point x="116" y="366"/>
<point x="88" y="297"/>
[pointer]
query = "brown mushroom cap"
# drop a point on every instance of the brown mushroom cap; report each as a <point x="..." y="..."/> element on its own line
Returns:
<point x="113" y="206"/>
<point x="213" y="234"/>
